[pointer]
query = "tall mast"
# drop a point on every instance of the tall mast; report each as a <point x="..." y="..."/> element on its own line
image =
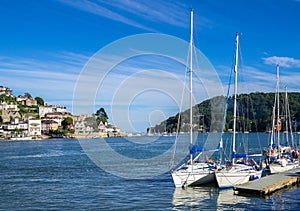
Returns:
<point x="277" y="93"/>
<point x="191" y="83"/>
<point x="286" y="116"/>
<point x="235" y="93"/>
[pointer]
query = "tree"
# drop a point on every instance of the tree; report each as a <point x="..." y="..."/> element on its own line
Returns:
<point x="101" y="115"/>
<point x="26" y="94"/>
<point x="39" y="101"/>
<point x="90" y="120"/>
<point x="67" y="123"/>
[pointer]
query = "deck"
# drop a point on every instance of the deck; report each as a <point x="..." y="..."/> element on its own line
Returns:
<point x="270" y="183"/>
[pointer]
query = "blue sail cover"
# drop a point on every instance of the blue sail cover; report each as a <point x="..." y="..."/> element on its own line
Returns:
<point x="235" y="155"/>
<point x="286" y="144"/>
<point x="194" y="149"/>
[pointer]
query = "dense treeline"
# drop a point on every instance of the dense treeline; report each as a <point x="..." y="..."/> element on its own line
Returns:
<point x="254" y="114"/>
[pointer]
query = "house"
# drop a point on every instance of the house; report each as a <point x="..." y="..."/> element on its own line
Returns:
<point x="55" y="116"/>
<point x="5" y="91"/>
<point x="34" y="127"/>
<point x="9" y="106"/>
<point x="89" y="129"/>
<point x="8" y="115"/>
<point x="26" y="101"/>
<point x="102" y="127"/>
<point x="15" y="128"/>
<point x="79" y="127"/>
<point x="61" y="109"/>
<point x="43" y="110"/>
<point x="49" y="125"/>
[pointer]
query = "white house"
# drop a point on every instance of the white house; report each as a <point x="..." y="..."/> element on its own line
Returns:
<point x="43" y="110"/>
<point x="9" y="128"/>
<point x="60" y="109"/>
<point x="34" y="127"/>
<point x="9" y="106"/>
<point x="79" y="127"/>
<point x="102" y="128"/>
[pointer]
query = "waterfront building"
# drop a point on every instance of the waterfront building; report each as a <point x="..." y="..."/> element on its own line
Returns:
<point x="34" y="127"/>
<point x="49" y="125"/>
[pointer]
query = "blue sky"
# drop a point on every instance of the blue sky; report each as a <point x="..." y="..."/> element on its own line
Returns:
<point x="45" y="46"/>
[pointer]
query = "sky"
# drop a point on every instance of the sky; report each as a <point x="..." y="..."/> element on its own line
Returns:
<point x="106" y="53"/>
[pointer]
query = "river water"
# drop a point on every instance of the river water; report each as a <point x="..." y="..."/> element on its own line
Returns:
<point x="59" y="175"/>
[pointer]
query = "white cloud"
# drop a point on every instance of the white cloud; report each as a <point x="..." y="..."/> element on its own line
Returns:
<point x="252" y="79"/>
<point x="173" y="13"/>
<point x="99" y="10"/>
<point x="52" y="79"/>
<point x="128" y="12"/>
<point x="287" y="62"/>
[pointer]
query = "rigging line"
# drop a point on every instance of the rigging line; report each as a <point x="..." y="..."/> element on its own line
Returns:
<point x="197" y="66"/>
<point x="289" y="119"/>
<point x="242" y="70"/>
<point x="180" y="111"/>
<point x="240" y="115"/>
<point x="255" y="122"/>
<point x="225" y="114"/>
<point x="226" y="108"/>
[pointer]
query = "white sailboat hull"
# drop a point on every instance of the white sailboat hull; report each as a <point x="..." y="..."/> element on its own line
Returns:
<point x="21" y="138"/>
<point x="238" y="174"/>
<point x="282" y="167"/>
<point x="192" y="175"/>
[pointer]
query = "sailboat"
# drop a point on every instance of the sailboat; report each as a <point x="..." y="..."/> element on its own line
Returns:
<point x="236" y="172"/>
<point x="280" y="157"/>
<point x="193" y="172"/>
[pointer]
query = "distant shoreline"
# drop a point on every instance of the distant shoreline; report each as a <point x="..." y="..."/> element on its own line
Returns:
<point x="77" y="136"/>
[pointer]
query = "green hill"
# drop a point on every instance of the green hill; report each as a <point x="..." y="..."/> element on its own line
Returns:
<point x="254" y="114"/>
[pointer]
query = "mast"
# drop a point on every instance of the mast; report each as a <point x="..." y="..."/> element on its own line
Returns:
<point x="276" y="100"/>
<point x="278" y="117"/>
<point x="287" y="119"/>
<point x="235" y="94"/>
<point x="275" y="128"/>
<point x="191" y="83"/>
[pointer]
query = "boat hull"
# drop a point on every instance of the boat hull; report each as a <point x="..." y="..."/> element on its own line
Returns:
<point x="236" y="176"/>
<point x="21" y="138"/>
<point x="193" y="175"/>
<point x="277" y="167"/>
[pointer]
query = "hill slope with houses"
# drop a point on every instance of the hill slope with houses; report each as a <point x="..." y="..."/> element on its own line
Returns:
<point x="25" y="117"/>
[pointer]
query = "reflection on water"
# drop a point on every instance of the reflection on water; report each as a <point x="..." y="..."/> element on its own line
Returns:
<point x="283" y="200"/>
<point x="195" y="197"/>
<point x="227" y="199"/>
<point x="207" y="198"/>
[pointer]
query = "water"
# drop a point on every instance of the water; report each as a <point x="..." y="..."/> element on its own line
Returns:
<point x="58" y="175"/>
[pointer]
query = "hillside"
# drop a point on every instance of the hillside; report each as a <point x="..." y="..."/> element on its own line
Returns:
<point x="254" y="114"/>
